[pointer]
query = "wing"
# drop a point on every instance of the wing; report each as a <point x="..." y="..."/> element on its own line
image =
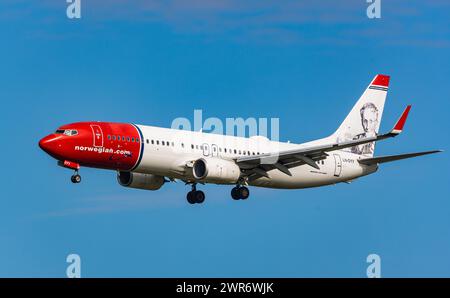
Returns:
<point x="257" y="166"/>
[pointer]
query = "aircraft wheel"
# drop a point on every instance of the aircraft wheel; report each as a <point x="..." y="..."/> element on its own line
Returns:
<point x="235" y="193"/>
<point x="75" y="178"/>
<point x="244" y="193"/>
<point x="199" y="196"/>
<point x="190" y="197"/>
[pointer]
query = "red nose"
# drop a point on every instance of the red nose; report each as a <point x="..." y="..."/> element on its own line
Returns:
<point x="50" y="144"/>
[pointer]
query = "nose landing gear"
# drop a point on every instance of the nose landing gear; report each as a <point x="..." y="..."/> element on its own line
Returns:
<point x="76" y="178"/>
<point x="73" y="166"/>
<point x="195" y="196"/>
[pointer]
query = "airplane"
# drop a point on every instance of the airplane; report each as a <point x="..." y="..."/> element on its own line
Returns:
<point x="147" y="157"/>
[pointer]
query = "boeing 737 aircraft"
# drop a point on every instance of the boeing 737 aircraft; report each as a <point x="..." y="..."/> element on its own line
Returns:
<point x="146" y="157"/>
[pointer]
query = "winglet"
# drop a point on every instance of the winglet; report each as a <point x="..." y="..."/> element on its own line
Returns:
<point x="398" y="127"/>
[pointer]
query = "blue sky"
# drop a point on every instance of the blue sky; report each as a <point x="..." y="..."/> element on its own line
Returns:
<point x="149" y="62"/>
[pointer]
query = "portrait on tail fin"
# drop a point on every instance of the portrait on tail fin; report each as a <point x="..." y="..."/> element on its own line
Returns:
<point x="369" y="114"/>
<point x="369" y="122"/>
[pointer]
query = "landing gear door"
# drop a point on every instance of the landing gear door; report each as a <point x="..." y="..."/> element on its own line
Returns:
<point x="98" y="135"/>
<point x="338" y="165"/>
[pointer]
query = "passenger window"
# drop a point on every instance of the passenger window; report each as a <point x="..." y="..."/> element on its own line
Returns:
<point x="163" y="143"/>
<point x="132" y="139"/>
<point x="147" y="141"/>
<point x="128" y="139"/>
<point x="235" y="151"/>
<point x="153" y="142"/>
<point x="182" y="145"/>
<point x="109" y="137"/>
<point x="192" y="146"/>
<point x="157" y="142"/>
<point x="123" y="139"/>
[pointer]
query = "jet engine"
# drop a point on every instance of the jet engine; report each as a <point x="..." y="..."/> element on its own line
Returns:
<point x="139" y="180"/>
<point x="215" y="170"/>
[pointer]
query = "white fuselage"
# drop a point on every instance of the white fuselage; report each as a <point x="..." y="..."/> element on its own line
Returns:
<point x="168" y="152"/>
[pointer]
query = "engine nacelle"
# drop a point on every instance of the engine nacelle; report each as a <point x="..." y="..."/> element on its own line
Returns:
<point x="216" y="170"/>
<point x="139" y="180"/>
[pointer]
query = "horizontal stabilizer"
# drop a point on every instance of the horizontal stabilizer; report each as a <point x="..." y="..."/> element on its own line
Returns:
<point x="388" y="158"/>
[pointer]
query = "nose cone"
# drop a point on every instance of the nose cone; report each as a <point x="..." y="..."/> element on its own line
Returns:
<point x="49" y="144"/>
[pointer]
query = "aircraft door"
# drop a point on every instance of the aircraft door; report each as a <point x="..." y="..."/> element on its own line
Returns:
<point x="205" y="149"/>
<point x="98" y="135"/>
<point x="214" y="150"/>
<point x="338" y="165"/>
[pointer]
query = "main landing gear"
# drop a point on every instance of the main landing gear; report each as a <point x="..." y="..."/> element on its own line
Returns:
<point x="76" y="178"/>
<point x="240" y="193"/>
<point x="195" y="196"/>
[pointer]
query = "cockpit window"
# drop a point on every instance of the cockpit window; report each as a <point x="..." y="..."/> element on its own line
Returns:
<point x="67" y="132"/>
